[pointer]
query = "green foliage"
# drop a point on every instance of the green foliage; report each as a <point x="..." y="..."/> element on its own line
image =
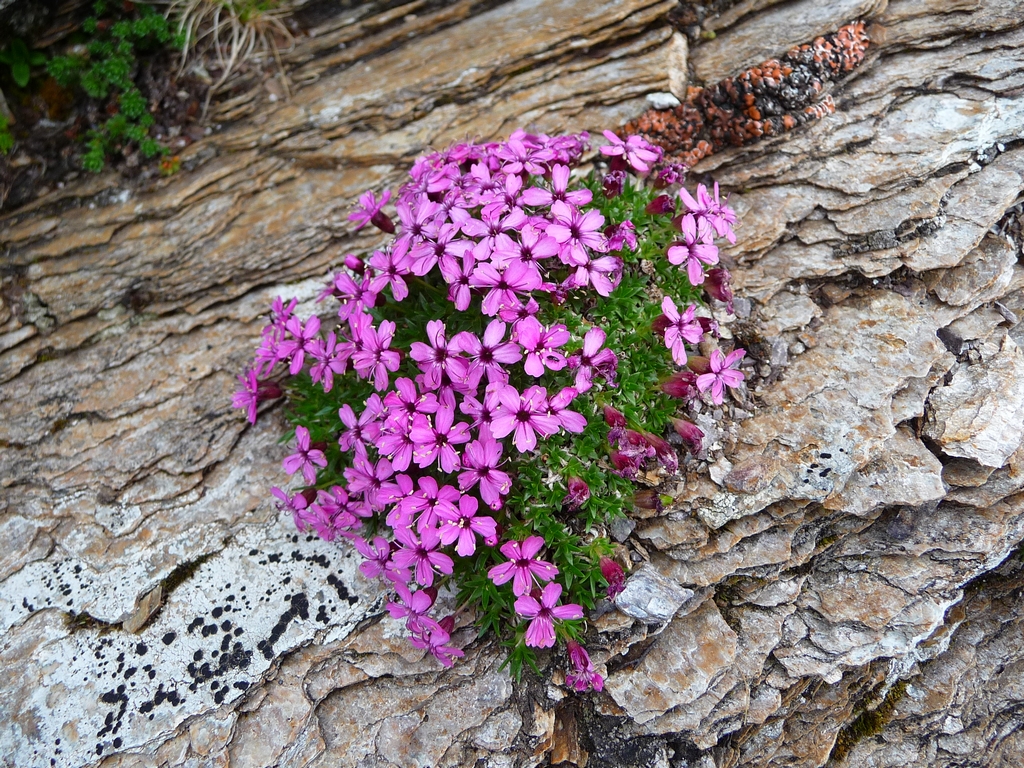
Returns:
<point x="535" y="506"/>
<point x="107" y="71"/>
<point x="20" y="60"/>
<point x="6" y="137"/>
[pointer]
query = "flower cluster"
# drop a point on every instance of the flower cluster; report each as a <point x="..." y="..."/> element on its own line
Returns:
<point x="448" y="421"/>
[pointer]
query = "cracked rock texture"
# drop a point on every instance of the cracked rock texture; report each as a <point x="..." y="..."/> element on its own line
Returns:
<point x="843" y="586"/>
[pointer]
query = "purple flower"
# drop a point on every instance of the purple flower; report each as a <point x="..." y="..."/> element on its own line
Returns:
<point x="503" y="285"/>
<point x="717" y="286"/>
<point x="637" y="152"/>
<point x="375" y="358"/>
<point x="364" y="430"/>
<point x="621" y="236"/>
<point x="327" y="362"/>
<point x="673" y="173"/>
<point x="252" y="392"/>
<point x="602" y="273"/>
<point x="489" y="354"/>
<point x="457" y="272"/>
<point x="367" y="478"/>
<point x="592" y="360"/>
<point x="541" y="345"/>
<point x="404" y="402"/>
<point x="300" y="343"/>
<point x="575" y="232"/>
<point x="391" y="266"/>
<point x="538" y="196"/>
<point x="578" y="493"/>
<point x="464" y="525"/>
<point x="613" y="183"/>
<point x="436" y="442"/>
<point x="370" y="212"/>
<point x="695" y="250"/>
<point x="558" y="406"/>
<point x="353" y="298"/>
<point x="421" y="554"/>
<point x="524" y="414"/>
<point x="435" y="640"/>
<point x="662" y="204"/>
<point x="517" y="157"/>
<point x="583" y="677"/>
<point x="680" y="328"/>
<point x="480" y="463"/>
<point x="296" y="504"/>
<point x="438" y="358"/>
<point x="426" y="505"/>
<point x="305" y="458"/>
<point x="413" y="607"/>
<point x="720" y="216"/>
<point x="378" y="560"/>
<point x="541" y="631"/>
<point x="522" y="566"/>
<point x="722" y="374"/>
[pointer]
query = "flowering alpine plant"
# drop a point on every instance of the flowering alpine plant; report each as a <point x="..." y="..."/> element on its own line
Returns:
<point x="481" y="394"/>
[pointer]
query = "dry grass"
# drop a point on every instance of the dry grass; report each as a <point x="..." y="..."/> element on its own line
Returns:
<point x="233" y="31"/>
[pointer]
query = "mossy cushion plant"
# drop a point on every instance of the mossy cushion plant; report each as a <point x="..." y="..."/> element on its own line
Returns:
<point x="500" y="380"/>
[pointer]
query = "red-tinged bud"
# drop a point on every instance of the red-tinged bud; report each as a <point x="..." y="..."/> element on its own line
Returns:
<point x="693" y="437"/>
<point x="355" y="263"/>
<point x="669" y="175"/>
<point x="613" y="574"/>
<point x="648" y="499"/>
<point x="430" y="592"/>
<point x="309" y="495"/>
<point x="448" y="624"/>
<point x="677" y="222"/>
<point x="625" y="466"/>
<point x="660" y="325"/>
<point x="664" y="450"/>
<point x="383" y="222"/>
<point x="699" y="364"/>
<point x="708" y="325"/>
<point x="319" y="446"/>
<point x="268" y="389"/>
<point x="661" y="205"/>
<point x="717" y="284"/>
<point x="613" y="183"/>
<point x="634" y="444"/>
<point x="682" y="384"/>
<point x="613" y="417"/>
<point x="578" y="493"/>
<point x="618" y="163"/>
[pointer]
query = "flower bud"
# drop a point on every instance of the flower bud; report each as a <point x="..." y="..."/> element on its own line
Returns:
<point x="699" y="364"/>
<point x="383" y="222"/>
<point x="625" y="466"/>
<point x="708" y="325"/>
<point x="716" y="283"/>
<point x="448" y="624"/>
<point x="661" y="324"/>
<point x="682" y="384"/>
<point x="578" y="493"/>
<point x="648" y="499"/>
<point x="665" y="452"/>
<point x="268" y="389"/>
<point x="613" y="574"/>
<point x="355" y="263"/>
<point x="693" y="437"/>
<point x="613" y="418"/>
<point x="578" y="656"/>
<point x="662" y="204"/>
<point x="309" y="495"/>
<point x="613" y="183"/>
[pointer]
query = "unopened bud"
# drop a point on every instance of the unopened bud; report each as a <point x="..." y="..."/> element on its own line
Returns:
<point x="648" y="499"/>
<point x="578" y="493"/>
<point x="662" y="204"/>
<point x="355" y="263"/>
<point x="698" y="364"/>
<point x="693" y="437"/>
<point x="613" y="574"/>
<point x="448" y="624"/>
<point x="613" y="417"/>
<point x="383" y="222"/>
<point x="716" y="283"/>
<point x="682" y="384"/>
<point x="613" y="183"/>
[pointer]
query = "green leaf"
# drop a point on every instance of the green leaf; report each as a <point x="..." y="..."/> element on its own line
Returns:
<point x="37" y="58"/>
<point x="20" y="73"/>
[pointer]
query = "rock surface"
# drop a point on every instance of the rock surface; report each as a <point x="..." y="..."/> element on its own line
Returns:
<point x="843" y="585"/>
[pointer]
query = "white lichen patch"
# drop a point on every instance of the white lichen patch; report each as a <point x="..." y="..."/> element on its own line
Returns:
<point x="267" y="592"/>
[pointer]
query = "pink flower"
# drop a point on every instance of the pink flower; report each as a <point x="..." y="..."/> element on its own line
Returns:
<point x="722" y="374"/>
<point x="421" y="554"/>
<point x="364" y="430"/>
<point x="541" y="631"/>
<point x="576" y="232"/>
<point x="327" y="362"/>
<point x="488" y="355"/>
<point x="583" y="677"/>
<point x="296" y="504"/>
<point x="503" y="285"/>
<point x="391" y="266"/>
<point x="578" y="493"/>
<point x="370" y="212"/>
<point x="438" y="357"/>
<point x="436" y="443"/>
<point x="367" y="478"/>
<point x="464" y="525"/>
<point x="252" y="392"/>
<point x="524" y="414"/>
<point x="522" y="566"/>
<point x="538" y="196"/>
<point x="375" y="357"/>
<point x="435" y="640"/>
<point x="541" y="345"/>
<point x="720" y="216"/>
<point x="299" y="344"/>
<point x="413" y="607"/>
<point x="480" y="465"/>
<point x="680" y="328"/>
<point x="638" y="152"/>
<point x="695" y="250"/>
<point x="592" y="360"/>
<point x="305" y="458"/>
<point x="558" y="406"/>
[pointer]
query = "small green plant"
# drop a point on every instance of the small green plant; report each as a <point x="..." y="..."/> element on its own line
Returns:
<point x="107" y="70"/>
<point x="6" y="138"/>
<point x="20" y="59"/>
